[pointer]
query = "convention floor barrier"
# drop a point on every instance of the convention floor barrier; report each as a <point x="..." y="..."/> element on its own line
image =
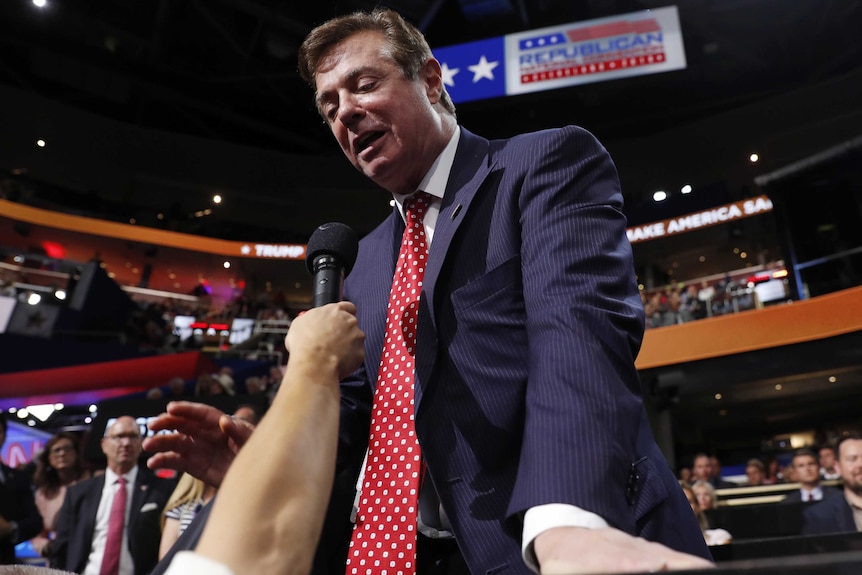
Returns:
<point x="788" y="546"/>
<point x="838" y="563"/>
<point x="759" y="521"/>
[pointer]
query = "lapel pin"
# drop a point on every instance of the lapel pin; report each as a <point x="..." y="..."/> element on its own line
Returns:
<point x="456" y="211"/>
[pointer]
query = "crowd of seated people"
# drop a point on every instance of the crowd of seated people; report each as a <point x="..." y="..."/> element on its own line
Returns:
<point x="60" y="466"/>
<point x="696" y="300"/>
<point x="783" y="504"/>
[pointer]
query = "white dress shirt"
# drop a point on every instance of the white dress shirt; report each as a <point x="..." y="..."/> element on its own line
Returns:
<point x="100" y="532"/>
<point x="190" y="563"/>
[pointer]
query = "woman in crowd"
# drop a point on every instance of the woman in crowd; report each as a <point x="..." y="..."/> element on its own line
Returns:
<point x="705" y="494"/>
<point x="57" y="467"/>
<point x="711" y="536"/>
<point x="189" y="496"/>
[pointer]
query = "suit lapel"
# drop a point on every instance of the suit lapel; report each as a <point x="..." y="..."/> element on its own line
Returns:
<point x="469" y="170"/>
<point x="846" y="514"/>
<point x="89" y="509"/>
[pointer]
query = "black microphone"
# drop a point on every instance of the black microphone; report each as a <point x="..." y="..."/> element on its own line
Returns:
<point x="332" y="250"/>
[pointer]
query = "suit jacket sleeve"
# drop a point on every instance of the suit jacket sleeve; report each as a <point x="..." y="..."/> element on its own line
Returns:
<point x="65" y="521"/>
<point x="585" y="323"/>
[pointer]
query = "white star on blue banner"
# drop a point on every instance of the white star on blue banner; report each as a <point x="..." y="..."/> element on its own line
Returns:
<point x="474" y="71"/>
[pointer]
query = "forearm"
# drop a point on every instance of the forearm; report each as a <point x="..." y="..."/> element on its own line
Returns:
<point x="291" y="456"/>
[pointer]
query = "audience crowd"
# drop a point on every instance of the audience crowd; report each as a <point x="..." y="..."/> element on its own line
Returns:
<point x="60" y="467"/>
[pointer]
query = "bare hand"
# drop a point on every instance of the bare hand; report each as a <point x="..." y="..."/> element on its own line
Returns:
<point x="204" y="443"/>
<point x="571" y="550"/>
<point x="327" y="334"/>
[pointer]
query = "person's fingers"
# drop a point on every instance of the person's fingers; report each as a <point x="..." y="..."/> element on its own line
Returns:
<point x="348" y="306"/>
<point x="167" y="460"/>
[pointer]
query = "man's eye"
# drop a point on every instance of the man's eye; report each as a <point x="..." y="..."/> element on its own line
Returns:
<point x="366" y="86"/>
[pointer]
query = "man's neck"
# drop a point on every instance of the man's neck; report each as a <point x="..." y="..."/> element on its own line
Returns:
<point x="121" y="469"/>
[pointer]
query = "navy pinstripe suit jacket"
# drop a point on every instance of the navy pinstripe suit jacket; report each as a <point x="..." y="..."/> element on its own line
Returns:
<point x="530" y="321"/>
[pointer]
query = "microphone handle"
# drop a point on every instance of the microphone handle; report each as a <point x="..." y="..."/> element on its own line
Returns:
<point x="328" y="281"/>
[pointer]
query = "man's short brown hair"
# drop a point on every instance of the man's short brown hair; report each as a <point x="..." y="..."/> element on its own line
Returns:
<point x="405" y="44"/>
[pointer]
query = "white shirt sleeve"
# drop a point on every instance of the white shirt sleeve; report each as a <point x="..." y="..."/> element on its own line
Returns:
<point x="544" y="517"/>
<point x="190" y="563"/>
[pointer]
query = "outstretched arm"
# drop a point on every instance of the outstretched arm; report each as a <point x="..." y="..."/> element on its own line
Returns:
<point x="277" y="490"/>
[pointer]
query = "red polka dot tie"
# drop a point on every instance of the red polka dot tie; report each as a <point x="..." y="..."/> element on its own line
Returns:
<point x="384" y="538"/>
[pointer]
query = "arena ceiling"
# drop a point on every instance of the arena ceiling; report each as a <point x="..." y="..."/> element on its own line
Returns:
<point x="226" y="69"/>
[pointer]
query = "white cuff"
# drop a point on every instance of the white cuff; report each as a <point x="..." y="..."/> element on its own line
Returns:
<point x="190" y="563"/>
<point x="544" y="517"/>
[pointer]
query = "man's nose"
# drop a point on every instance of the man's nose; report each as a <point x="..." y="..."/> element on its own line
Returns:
<point x="350" y="110"/>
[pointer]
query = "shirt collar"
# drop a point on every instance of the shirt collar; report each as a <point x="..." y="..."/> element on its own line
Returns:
<point x="435" y="180"/>
<point x="130" y="476"/>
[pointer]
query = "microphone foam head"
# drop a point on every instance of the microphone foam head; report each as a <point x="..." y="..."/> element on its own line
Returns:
<point x="333" y="239"/>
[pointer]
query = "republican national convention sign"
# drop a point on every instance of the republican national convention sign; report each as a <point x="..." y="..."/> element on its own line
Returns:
<point x="560" y="56"/>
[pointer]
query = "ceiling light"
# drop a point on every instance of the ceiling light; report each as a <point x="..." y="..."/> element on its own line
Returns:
<point x="686" y="189"/>
<point x="34" y="299"/>
<point x="41" y="412"/>
<point x="832" y="379"/>
<point x="659" y="196"/>
<point x="216" y="199"/>
<point x="41" y="143"/>
<point x="753" y="158"/>
<point x="39" y="3"/>
<point x="778" y="387"/>
<point x="226" y="265"/>
<point x="718" y="396"/>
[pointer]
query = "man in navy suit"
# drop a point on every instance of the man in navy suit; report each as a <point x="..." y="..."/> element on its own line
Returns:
<point x="19" y="518"/>
<point x="839" y="514"/>
<point x="527" y="404"/>
<point x="82" y="524"/>
<point x="805" y="464"/>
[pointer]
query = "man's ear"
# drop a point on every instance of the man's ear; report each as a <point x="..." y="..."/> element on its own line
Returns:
<point x="432" y="74"/>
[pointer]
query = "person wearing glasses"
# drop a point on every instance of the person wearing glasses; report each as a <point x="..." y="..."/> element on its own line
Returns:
<point x="58" y="466"/>
<point x="111" y="524"/>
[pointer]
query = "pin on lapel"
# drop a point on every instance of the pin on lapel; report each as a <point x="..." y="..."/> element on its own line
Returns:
<point x="455" y="212"/>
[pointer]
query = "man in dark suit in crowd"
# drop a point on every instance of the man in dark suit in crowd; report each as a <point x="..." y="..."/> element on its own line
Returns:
<point x="840" y="514"/>
<point x="807" y="471"/>
<point x="115" y="517"/>
<point x="527" y="404"/>
<point x="19" y="518"/>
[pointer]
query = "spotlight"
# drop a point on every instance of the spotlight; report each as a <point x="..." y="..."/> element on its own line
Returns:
<point x="659" y="196"/>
